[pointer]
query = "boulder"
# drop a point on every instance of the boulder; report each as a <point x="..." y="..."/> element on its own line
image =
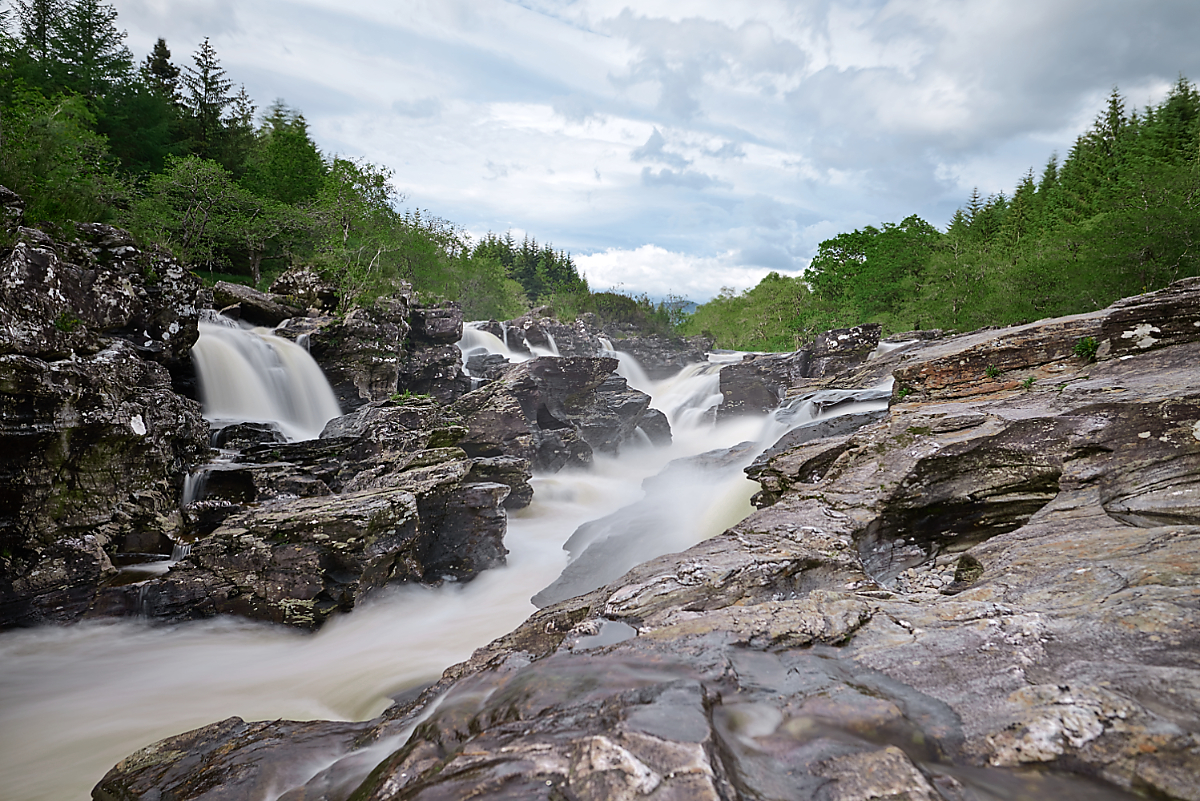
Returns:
<point x="552" y="411"/>
<point x="759" y="383"/>
<point x="294" y="532"/>
<point x="305" y="289"/>
<point x="359" y="353"/>
<point x="94" y="451"/>
<point x="256" y="308"/>
<point x="52" y="306"/>
<point x="375" y="352"/>
<point x="662" y="357"/>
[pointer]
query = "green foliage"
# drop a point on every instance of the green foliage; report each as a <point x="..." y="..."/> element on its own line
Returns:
<point x="66" y="322"/>
<point x="777" y="314"/>
<point x="637" y="312"/>
<point x="992" y="371"/>
<point x="1119" y="216"/>
<point x="51" y="156"/>
<point x="1086" y="348"/>
<point x="1028" y="383"/>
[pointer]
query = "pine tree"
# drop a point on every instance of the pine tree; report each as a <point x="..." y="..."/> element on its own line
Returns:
<point x="38" y="22"/>
<point x="207" y="96"/>
<point x="92" y="50"/>
<point x="159" y="73"/>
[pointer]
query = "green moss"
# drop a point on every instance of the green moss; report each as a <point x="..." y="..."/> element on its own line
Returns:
<point x="66" y="322"/>
<point x="919" y="430"/>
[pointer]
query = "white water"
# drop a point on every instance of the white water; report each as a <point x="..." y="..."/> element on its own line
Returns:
<point x="75" y="700"/>
<point x="250" y="375"/>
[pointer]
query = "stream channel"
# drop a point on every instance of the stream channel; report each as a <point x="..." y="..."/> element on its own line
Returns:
<point x="76" y="699"/>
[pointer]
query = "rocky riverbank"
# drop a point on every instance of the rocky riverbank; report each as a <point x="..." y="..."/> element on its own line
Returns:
<point x="998" y="574"/>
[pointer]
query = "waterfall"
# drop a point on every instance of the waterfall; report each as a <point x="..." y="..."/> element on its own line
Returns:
<point x="253" y="376"/>
<point x="628" y="368"/>
<point x="78" y="699"/>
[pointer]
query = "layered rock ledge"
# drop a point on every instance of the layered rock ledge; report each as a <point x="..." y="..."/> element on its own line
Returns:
<point x="999" y="574"/>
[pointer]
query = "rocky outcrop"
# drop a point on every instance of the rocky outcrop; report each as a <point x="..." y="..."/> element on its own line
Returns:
<point x="759" y="383"/>
<point x="662" y="357"/>
<point x="305" y="289"/>
<point x="555" y="412"/>
<point x="925" y="607"/>
<point x="432" y="365"/>
<point x="94" y="443"/>
<point x="247" y="303"/>
<point x="393" y="346"/>
<point x="62" y="298"/>
<point x="294" y="532"/>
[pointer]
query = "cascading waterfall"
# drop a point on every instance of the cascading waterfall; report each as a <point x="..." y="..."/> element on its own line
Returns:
<point x="78" y="699"/>
<point x="253" y="376"/>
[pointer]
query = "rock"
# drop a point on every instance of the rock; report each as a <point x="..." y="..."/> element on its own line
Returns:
<point x="553" y="412"/>
<point x="305" y="289"/>
<point x="256" y="308"/>
<point x="433" y="370"/>
<point x="12" y="209"/>
<point x="812" y="651"/>
<point x="374" y="353"/>
<point x="758" y="384"/>
<point x="51" y="307"/>
<point x="662" y="357"/>
<point x="297" y="531"/>
<point x="441" y="325"/>
<point x="360" y="353"/>
<point x="94" y="453"/>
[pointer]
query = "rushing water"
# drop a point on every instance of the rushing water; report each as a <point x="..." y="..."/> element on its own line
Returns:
<point x="251" y="375"/>
<point x="74" y="700"/>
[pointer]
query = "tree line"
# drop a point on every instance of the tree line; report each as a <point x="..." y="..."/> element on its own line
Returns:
<point x="1119" y="215"/>
<point x="183" y="158"/>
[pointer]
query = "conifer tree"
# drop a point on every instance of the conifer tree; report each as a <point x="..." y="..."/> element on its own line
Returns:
<point x="206" y="98"/>
<point x="38" y="22"/>
<point x="91" y="48"/>
<point x="159" y="73"/>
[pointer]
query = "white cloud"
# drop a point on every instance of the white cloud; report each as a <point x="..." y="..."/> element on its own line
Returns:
<point x="659" y="272"/>
<point x="729" y="130"/>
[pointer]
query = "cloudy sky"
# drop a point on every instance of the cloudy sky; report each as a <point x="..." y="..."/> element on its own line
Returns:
<point x="683" y="147"/>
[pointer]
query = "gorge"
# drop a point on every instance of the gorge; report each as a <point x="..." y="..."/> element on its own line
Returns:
<point x="937" y="567"/>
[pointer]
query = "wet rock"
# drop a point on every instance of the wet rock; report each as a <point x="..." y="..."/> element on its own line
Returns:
<point x="256" y="308"/>
<point x="442" y="325"/>
<point x="305" y="289"/>
<point x="552" y="411"/>
<point x="758" y="384"/>
<point x="662" y="357"/>
<point x="52" y="306"/>
<point x="94" y="453"/>
<point x="244" y="435"/>
<point x="810" y="652"/>
<point x="291" y="532"/>
<point x="360" y="353"/>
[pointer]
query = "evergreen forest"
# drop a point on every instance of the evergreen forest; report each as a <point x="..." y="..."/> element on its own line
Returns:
<point x="1119" y="215"/>
<point x="176" y="151"/>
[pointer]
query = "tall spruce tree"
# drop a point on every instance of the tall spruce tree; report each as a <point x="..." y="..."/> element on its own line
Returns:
<point x="38" y="22"/>
<point x="92" y="51"/>
<point x="206" y="96"/>
<point x="159" y="73"/>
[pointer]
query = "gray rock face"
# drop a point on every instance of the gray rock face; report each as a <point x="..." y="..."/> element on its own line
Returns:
<point x="305" y="289"/>
<point x="662" y="357"/>
<point x="94" y="443"/>
<point x="759" y="384"/>
<point x="295" y="532"/>
<point x="94" y="450"/>
<point x="57" y="299"/>
<point x="392" y="347"/>
<point x="981" y="582"/>
<point x="256" y="308"/>
<point x="552" y="411"/>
